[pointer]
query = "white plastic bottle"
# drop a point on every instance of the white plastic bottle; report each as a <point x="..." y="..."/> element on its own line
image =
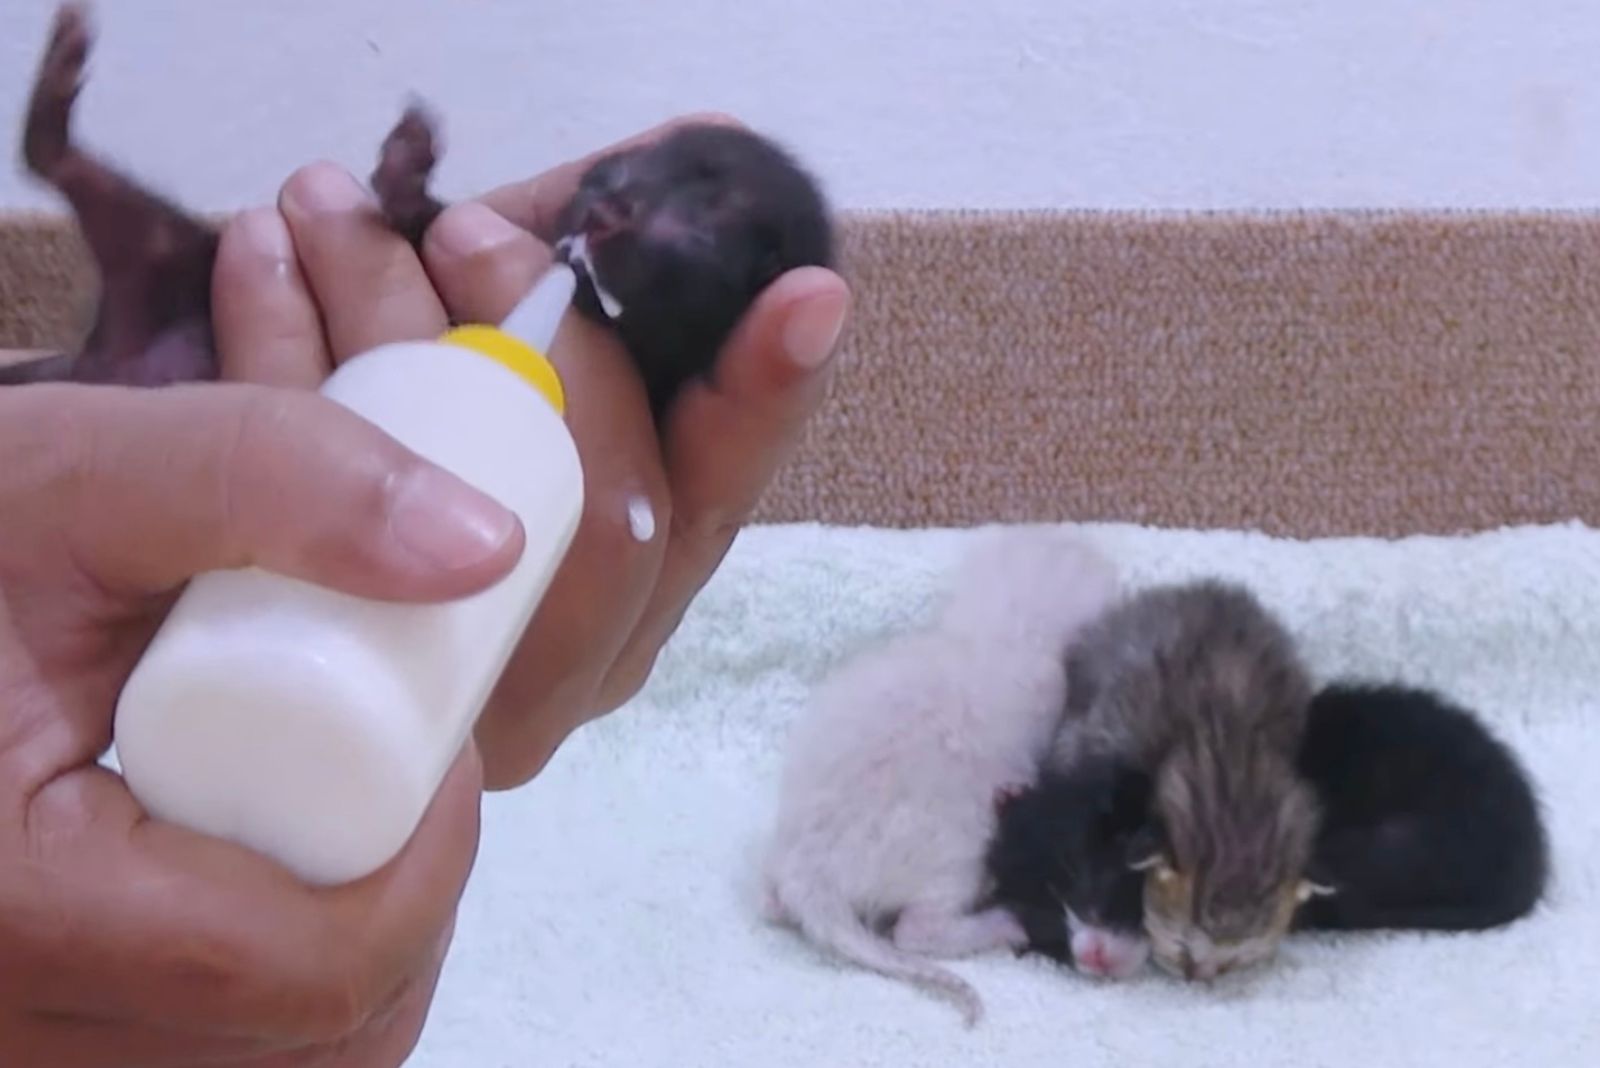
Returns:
<point x="313" y="726"/>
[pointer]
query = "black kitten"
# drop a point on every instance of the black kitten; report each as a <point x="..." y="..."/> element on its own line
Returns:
<point x="1429" y="821"/>
<point x="673" y="241"/>
<point x="1060" y="862"/>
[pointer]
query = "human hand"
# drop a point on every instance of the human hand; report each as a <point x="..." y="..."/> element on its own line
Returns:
<point x="615" y="600"/>
<point x="127" y="942"/>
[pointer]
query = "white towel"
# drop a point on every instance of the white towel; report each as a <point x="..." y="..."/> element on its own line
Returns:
<point x="612" y="918"/>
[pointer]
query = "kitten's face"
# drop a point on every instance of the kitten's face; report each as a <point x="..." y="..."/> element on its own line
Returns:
<point x="1224" y="879"/>
<point x="1199" y="937"/>
<point x="694" y="226"/>
<point x="1105" y="809"/>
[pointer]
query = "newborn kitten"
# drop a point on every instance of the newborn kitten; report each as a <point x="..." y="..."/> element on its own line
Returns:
<point x="1060" y="864"/>
<point x="672" y="242"/>
<point x="887" y="800"/>
<point x="1429" y="821"/>
<point x="1202" y="688"/>
<point x="685" y="232"/>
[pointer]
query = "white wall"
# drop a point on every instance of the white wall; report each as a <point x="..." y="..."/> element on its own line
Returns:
<point x="1097" y="103"/>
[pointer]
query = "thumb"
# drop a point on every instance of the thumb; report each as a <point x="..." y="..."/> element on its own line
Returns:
<point x="140" y="489"/>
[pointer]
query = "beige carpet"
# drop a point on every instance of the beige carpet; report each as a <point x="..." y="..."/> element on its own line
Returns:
<point x="1299" y="374"/>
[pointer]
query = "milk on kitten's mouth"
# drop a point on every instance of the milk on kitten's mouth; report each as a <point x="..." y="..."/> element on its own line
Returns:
<point x="575" y="249"/>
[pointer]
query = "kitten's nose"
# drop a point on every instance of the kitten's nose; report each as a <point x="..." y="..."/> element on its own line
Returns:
<point x="1095" y="959"/>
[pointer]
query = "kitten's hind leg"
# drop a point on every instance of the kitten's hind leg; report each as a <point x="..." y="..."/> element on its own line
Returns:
<point x="47" y="146"/>
<point x="933" y="930"/>
<point x="405" y="163"/>
<point x="154" y="260"/>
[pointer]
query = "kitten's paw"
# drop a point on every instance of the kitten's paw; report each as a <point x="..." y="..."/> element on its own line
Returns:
<point x="1009" y="932"/>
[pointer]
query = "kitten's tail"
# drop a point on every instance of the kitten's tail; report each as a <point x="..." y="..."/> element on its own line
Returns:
<point x="826" y="919"/>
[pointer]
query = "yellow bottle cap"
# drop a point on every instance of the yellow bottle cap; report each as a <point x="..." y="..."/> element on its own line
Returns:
<point x="529" y="329"/>
<point x="517" y="355"/>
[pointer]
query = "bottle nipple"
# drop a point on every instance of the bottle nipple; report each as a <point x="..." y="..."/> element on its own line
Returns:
<point x="523" y="338"/>
<point x="537" y="316"/>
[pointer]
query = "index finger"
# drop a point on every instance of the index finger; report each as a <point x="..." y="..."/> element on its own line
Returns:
<point x="145" y="922"/>
<point x="268" y="330"/>
<point x="483" y="264"/>
<point x="535" y="203"/>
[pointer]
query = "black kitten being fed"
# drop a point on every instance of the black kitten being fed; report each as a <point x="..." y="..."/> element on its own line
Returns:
<point x="1429" y="822"/>
<point x="1060" y="862"/>
<point x="673" y="240"/>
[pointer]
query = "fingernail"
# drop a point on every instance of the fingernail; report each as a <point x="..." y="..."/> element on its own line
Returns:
<point x="814" y="328"/>
<point x="266" y="235"/>
<point x="445" y="521"/>
<point x="470" y="228"/>
<point x="324" y="187"/>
